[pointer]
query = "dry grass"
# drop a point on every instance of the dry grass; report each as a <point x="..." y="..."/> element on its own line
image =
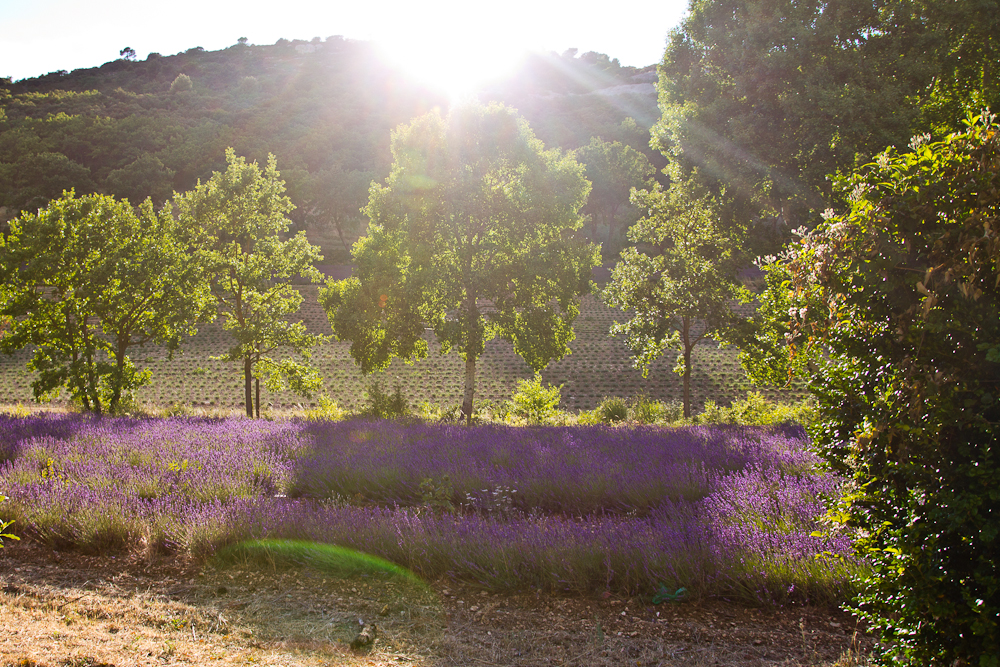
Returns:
<point x="71" y="609"/>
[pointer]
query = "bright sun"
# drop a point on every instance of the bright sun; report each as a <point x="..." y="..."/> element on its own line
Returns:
<point x="454" y="50"/>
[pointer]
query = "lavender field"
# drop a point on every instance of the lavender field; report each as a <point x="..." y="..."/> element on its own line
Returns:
<point x="720" y="511"/>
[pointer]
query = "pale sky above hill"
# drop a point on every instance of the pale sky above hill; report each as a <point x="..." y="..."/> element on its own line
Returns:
<point x="41" y="36"/>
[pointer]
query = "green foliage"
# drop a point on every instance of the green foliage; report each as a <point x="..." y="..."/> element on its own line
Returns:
<point x="535" y="402"/>
<point x="383" y="405"/>
<point x="182" y="84"/>
<point x="755" y="410"/>
<point x="645" y="410"/>
<point x="613" y="169"/>
<point x="4" y="525"/>
<point x="763" y="340"/>
<point x="437" y="494"/>
<point x="326" y="410"/>
<point x="896" y="305"/>
<point x="177" y="410"/>
<point x="472" y="234"/>
<point x="89" y="278"/>
<point x="766" y="97"/>
<point x="612" y="410"/>
<point x="679" y="284"/>
<point x="237" y="220"/>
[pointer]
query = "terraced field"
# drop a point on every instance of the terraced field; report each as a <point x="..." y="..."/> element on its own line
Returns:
<point x="599" y="366"/>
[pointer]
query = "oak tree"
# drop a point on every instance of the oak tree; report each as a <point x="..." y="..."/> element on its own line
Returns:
<point x="678" y="283"/>
<point x="472" y="234"/>
<point x="88" y="279"/>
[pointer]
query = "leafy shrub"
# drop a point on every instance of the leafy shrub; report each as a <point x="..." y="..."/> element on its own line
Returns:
<point x="177" y="410"/>
<point x="3" y="527"/>
<point x="895" y="304"/>
<point x="437" y="493"/>
<point x="383" y="405"/>
<point x="612" y="410"/>
<point x="434" y="413"/>
<point x="534" y="402"/>
<point x="326" y="410"/>
<point x="644" y="410"/>
<point x="19" y="410"/>
<point x="756" y="410"/>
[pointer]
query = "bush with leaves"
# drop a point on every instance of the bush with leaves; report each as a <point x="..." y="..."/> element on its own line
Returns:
<point x="3" y="527"/>
<point x="535" y="402"/>
<point x="383" y="405"/>
<point x="895" y="304"/>
<point x="612" y="409"/>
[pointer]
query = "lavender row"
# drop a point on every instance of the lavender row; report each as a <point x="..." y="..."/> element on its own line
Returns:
<point x="728" y="511"/>
<point x="705" y="547"/>
<point x="572" y="470"/>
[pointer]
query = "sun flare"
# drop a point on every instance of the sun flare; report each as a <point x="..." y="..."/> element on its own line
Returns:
<point x="454" y="51"/>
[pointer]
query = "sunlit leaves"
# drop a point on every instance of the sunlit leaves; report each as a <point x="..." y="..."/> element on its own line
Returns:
<point x="237" y="220"/>
<point x="471" y="235"/>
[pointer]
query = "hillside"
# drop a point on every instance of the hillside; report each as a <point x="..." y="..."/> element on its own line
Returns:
<point x="324" y="108"/>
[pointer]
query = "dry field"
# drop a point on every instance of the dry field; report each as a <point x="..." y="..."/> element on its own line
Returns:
<point x="598" y="367"/>
<point x="76" y="610"/>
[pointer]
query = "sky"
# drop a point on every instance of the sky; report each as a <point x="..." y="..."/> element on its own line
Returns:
<point x="41" y="36"/>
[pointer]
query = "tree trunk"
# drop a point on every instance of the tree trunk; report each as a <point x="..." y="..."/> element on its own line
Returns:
<point x="256" y="397"/>
<point x="685" y="342"/>
<point x="340" y="233"/>
<point x="470" y="388"/>
<point x="117" y="381"/>
<point x="248" y="385"/>
<point x="91" y="374"/>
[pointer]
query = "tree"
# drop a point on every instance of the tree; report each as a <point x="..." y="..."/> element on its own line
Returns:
<point x="952" y="52"/>
<point x="145" y="177"/>
<point x="90" y="278"/>
<point x="680" y="282"/>
<point x="613" y="169"/>
<point x="766" y="97"/>
<point x="894" y="302"/>
<point x="237" y="217"/>
<point x="334" y="198"/>
<point x="472" y="234"/>
<point x="181" y="84"/>
<point x="128" y="53"/>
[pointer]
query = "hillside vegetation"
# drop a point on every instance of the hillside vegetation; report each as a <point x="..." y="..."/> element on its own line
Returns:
<point x="325" y="109"/>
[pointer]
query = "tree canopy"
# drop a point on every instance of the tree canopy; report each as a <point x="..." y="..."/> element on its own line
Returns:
<point x="472" y="234"/>
<point x="88" y="278"/>
<point x="613" y="169"/>
<point x="768" y="97"/>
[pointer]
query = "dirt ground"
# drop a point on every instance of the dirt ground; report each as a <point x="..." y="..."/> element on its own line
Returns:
<point x="64" y="608"/>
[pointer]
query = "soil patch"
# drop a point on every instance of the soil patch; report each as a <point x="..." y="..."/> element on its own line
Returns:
<point x="67" y="608"/>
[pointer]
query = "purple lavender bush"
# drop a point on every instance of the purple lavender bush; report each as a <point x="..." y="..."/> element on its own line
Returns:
<point x="720" y="511"/>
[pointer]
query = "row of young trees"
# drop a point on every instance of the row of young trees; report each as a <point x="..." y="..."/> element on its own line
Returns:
<point x="87" y="279"/>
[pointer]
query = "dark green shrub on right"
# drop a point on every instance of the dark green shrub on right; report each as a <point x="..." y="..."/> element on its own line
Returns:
<point x="896" y="306"/>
